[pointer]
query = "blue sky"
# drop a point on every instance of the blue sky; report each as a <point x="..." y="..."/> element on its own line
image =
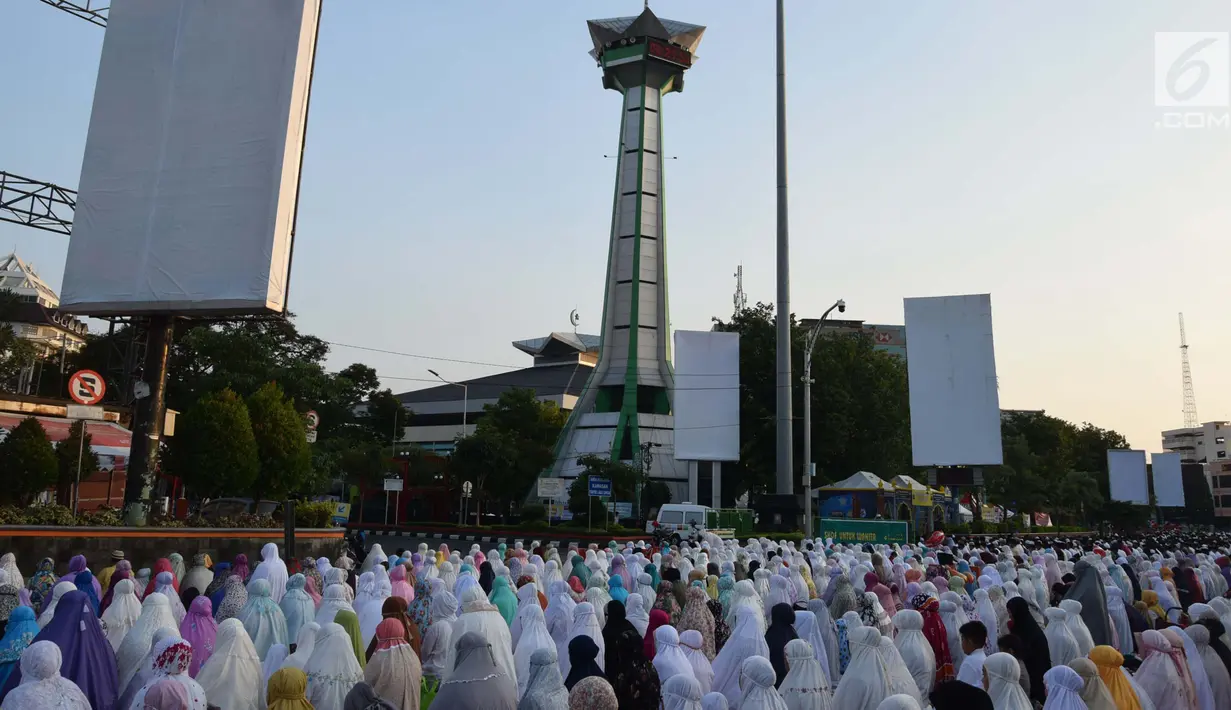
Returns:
<point x="455" y="196"/>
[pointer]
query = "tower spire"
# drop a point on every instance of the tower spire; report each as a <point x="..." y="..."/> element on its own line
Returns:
<point x="1190" y="399"/>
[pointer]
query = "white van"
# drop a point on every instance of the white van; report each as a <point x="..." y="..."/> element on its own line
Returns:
<point x="679" y="520"/>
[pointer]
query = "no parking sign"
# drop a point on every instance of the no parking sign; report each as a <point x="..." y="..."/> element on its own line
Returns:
<point x="86" y="387"/>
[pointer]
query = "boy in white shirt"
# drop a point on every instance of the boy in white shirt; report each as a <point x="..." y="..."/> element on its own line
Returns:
<point x="974" y="636"/>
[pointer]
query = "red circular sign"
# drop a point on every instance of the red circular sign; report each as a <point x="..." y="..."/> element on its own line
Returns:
<point x="86" y="387"/>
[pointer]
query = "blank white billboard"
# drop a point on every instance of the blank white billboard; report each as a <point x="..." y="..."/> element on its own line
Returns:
<point x="954" y="404"/>
<point x="1126" y="474"/>
<point x="706" y="406"/>
<point x="190" y="178"/>
<point x="1168" y="479"/>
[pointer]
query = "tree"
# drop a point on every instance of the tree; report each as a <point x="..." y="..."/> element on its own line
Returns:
<point x="66" y="462"/>
<point x="28" y="462"/>
<point x="384" y="418"/>
<point x="624" y="481"/>
<point x="282" y="447"/>
<point x="515" y="439"/>
<point x="860" y="407"/>
<point x="15" y="353"/>
<point x="215" y="452"/>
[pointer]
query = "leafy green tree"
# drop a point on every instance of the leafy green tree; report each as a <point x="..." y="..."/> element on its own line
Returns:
<point x="860" y="406"/>
<point x="282" y="447"/>
<point x="28" y="462"/>
<point x="215" y="452"/>
<point x="624" y="481"/>
<point x="485" y="456"/>
<point x="15" y="353"/>
<point x="66" y="462"/>
<point x="384" y="417"/>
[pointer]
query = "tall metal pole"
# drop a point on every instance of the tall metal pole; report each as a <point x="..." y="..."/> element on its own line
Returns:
<point x="148" y="421"/>
<point x="80" y="455"/>
<point x="783" y="471"/>
<point x="809" y="345"/>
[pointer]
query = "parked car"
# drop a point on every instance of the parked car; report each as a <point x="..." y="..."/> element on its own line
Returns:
<point x="231" y="507"/>
<point x="678" y="521"/>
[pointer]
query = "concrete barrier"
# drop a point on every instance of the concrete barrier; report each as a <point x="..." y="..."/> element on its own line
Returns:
<point x="142" y="546"/>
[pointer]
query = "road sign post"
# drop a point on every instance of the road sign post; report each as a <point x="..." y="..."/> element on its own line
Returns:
<point x="600" y="488"/>
<point x="82" y="413"/>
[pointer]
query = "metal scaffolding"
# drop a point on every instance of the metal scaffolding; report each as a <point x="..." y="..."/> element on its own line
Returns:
<point x="37" y="204"/>
<point x="92" y="11"/>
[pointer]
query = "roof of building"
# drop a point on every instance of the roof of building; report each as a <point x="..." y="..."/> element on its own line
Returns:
<point x="38" y="314"/>
<point x="578" y="341"/>
<point x="861" y="481"/>
<point x="647" y="24"/>
<point x="565" y="378"/>
<point x="19" y="277"/>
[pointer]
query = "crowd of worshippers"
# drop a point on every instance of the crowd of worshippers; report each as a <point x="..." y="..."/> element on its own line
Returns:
<point x="1012" y="624"/>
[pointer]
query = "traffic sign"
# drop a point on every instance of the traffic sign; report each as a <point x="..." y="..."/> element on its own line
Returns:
<point x="600" y="487"/>
<point x="467" y="487"/>
<point x="393" y="484"/>
<point x="78" y="411"/>
<point x="86" y="387"/>
<point x="311" y="436"/>
<point x="551" y="488"/>
<point x="314" y="419"/>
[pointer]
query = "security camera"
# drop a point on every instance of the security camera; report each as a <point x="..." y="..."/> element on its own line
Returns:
<point x="841" y="306"/>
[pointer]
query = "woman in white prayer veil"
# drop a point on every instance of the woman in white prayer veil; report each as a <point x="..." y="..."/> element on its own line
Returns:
<point x="809" y="629"/>
<point x="584" y="623"/>
<point x="779" y="592"/>
<point x="805" y="686"/>
<point x="1063" y="689"/>
<point x="746" y="596"/>
<point x="482" y="617"/>
<point x="1158" y="676"/>
<point x="636" y="613"/>
<point x="337" y="578"/>
<point x="57" y="591"/>
<point x="333" y="601"/>
<point x="829" y="638"/>
<point x="645" y="587"/>
<point x="756" y="682"/>
<point x="551" y="573"/>
<point x="761" y="582"/>
<point x="1004" y="682"/>
<point x="305" y="643"/>
<point x="146" y="670"/>
<point x="42" y="687"/>
<point x="669" y="658"/>
<point x="1215" y="671"/>
<point x="987" y="615"/>
<point x="1077" y="626"/>
<point x="681" y="692"/>
<point x="534" y="636"/>
<point x="375" y="557"/>
<point x="271" y="568"/>
<point x="365" y="591"/>
<point x="559" y="618"/>
<point x="868" y="679"/>
<point x="163" y="584"/>
<point x="1166" y="600"/>
<point x="278" y="653"/>
<point x="123" y="613"/>
<point x="434" y="651"/>
<point x="527" y="596"/>
<point x="900" y="679"/>
<point x="951" y="616"/>
<point x="746" y="640"/>
<point x="693" y="645"/>
<point x="332" y="670"/>
<point x="1196" y="669"/>
<point x="545" y="687"/>
<point x="1119" y="620"/>
<point x="155" y="614"/>
<point x="1061" y="645"/>
<point x="232" y="675"/>
<point x="915" y="650"/>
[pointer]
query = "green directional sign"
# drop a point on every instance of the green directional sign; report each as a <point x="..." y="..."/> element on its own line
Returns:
<point x="859" y="532"/>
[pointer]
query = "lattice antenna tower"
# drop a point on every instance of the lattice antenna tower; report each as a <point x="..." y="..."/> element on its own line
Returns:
<point x="741" y="298"/>
<point x="1190" y="399"/>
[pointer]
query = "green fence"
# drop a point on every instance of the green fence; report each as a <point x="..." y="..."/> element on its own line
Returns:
<point x="859" y="532"/>
<point x="738" y="519"/>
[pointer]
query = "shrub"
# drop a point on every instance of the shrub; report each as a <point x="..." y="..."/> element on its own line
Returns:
<point x="102" y="518"/>
<point x="314" y="514"/>
<point x="56" y="515"/>
<point x="533" y="513"/>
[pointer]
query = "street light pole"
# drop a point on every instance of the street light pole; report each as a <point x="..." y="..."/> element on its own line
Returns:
<point x="809" y="344"/>
<point x="465" y="403"/>
<point x="784" y="417"/>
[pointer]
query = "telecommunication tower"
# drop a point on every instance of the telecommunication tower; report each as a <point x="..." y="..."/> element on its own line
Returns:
<point x="1190" y="399"/>
<point x="741" y="298"/>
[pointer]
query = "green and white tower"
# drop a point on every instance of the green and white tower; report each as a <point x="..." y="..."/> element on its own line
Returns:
<point x="625" y="409"/>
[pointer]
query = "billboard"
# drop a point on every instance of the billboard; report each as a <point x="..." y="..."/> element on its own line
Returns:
<point x="706" y="405"/>
<point x="1126" y="476"/>
<point x="859" y="532"/>
<point x="190" y="179"/>
<point x="954" y="403"/>
<point x="1168" y="480"/>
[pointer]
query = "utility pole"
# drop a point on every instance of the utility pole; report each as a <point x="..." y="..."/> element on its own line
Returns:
<point x="809" y="344"/>
<point x="785" y="443"/>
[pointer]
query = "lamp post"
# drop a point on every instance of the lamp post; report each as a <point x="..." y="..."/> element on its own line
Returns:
<point x="465" y="402"/>
<point x="809" y="344"/>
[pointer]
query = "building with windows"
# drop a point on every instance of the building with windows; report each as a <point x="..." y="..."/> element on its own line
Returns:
<point x="561" y="366"/>
<point x="1201" y="444"/>
<point x="33" y="309"/>
<point x="888" y="338"/>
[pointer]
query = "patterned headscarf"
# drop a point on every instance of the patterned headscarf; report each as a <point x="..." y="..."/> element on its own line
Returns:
<point x="234" y="597"/>
<point x="420" y="610"/>
<point x="934" y="632"/>
<point x="697" y="617"/>
<point x="308" y="570"/>
<point x="42" y="582"/>
<point x="666" y="602"/>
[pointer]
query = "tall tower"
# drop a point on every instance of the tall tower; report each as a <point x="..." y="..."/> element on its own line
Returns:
<point x="625" y="408"/>
<point x="1190" y="399"/>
